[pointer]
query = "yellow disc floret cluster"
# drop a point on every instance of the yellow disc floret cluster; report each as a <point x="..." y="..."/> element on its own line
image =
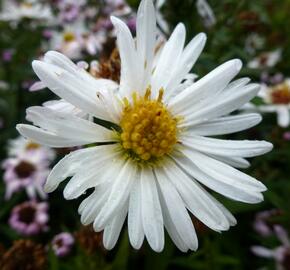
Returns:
<point x="149" y="130"/>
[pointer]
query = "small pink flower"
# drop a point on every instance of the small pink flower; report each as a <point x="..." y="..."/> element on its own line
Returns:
<point x="262" y="223"/>
<point x="27" y="171"/>
<point x="62" y="244"/>
<point x="29" y="218"/>
<point x="281" y="254"/>
<point x="286" y="136"/>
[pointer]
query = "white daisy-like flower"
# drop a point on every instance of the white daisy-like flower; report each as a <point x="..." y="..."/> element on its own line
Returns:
<point x="154" y="162"/>
<point x="31" y="9"/>
<point x="277" y="100"/>
<point x="75" y="39"/>
<point x="266" y="59"/>
<point x="20" y="146"/>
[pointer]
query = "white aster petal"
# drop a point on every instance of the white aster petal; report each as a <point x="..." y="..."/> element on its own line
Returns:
<point x="74" y="161"/>
<point x="208" y="86"/>
<point x="197" y="200"/>
<point x="283" y="115"/>
<point x="151" y="211"/>
<point x="163" y="70"/>
<point x="47" y="138"/>
<point x="112" y="231"/>
<point x="130" y="64"/>
<point x="119" y="194"/>
<point x="135" y="227"/>
<point x="67" y="125"/>
<point x="221" y="106"/>
<point x="226" y="148"/>
<point x="67" y="86"/>
<point x="221" y="177"/>
<point x="176" y="210"/>
<point x="187" y="59"/>
<point x="146" y="38"/>
<point x="226" y="125"/>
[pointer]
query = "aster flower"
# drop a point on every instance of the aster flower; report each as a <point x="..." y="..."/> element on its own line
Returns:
<point x="70" y="10"/>
<point x="263" y="223"/>
<point x="29" y="218"/>
<point x="20" y="146"/>
<point x="31" y="9"/>
<point x="62" y="244"/>
<point x="76" y="38"/>
<point x="266" y="59"/>
<point x="28" y="171"/>
<point x="281" y="254"/>
<point x="157" y="154"/>
<point x="277" y="100"/>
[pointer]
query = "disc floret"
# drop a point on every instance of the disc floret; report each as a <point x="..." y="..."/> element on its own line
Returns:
<point x="149" y="131"/>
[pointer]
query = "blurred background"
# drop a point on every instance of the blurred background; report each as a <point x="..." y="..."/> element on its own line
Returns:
<point x="39" y="231"/>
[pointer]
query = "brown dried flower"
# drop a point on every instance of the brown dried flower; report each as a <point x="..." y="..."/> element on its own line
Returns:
<point x="89" y="240"/>
<point x="25" y="255"/>
<point x="109" y="68"/>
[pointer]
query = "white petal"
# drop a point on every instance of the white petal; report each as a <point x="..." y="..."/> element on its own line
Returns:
<point x="69" y="87"/>
<point x="91" y="206"/>
<point x="226" y="148"/>
<point x="119" y="194"/>
<point x="71" y="163"/>
<point x="135" y="228"/>
<point x="283" y="116"/>
<point x="236" y="162"/>
<point x="173" y="47"/>
<point x="170" y="227"/>
<point x="176" y="210"/>
<point x="67" y="125"/>
<point x="112" y="231"/>
<point x="226" y="125"/>
<point x="151" y="211"/>
<point x="146" y="38"/>
<point x="60" y="60"/>
<point x="222" y="178"/>
<point x="187" y="60"/>
<point x="208" y="86"/>
<point x="197" y="200"/>
<point x="263" y="252"/>
<point x="222" y="106"/>
<point x="37" y="86"/>
<point x="130" y="64"/>
<point x="47" y="138"/>
<point x="92" y="174"/>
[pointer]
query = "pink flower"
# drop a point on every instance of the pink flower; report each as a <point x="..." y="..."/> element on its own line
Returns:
<point x="29" y="218"/>
<point x="281" y="254"/>
<point x="27" y="171"/>
<point x="262" y="223"/>
<point x="62" y="244"/>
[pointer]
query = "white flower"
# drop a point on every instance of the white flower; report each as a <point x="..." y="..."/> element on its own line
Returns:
<point x="266" y="59"/>
<point x="20" y="145"/>
<point x="154" y="162"/>
<point x="76" y="38"/>
<point x="31" y="9"/>
<point x="277" y="100"/>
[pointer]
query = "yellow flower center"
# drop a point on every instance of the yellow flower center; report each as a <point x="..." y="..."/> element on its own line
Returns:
<point x="27" y="5"/>
<point x="149" y="130"/>
<point x="32" y="146"/>
<point x="69" y="36"/>
<point x="280" y="94"/>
